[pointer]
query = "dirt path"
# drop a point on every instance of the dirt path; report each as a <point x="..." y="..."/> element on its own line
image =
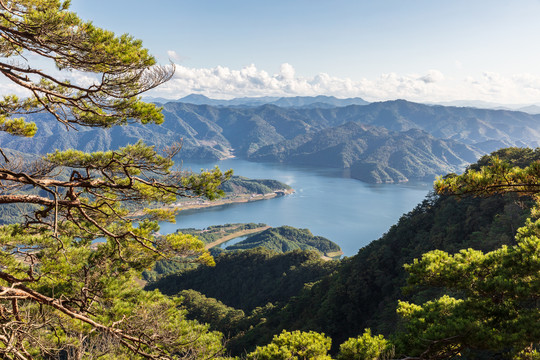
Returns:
<point x="235" y="235"/>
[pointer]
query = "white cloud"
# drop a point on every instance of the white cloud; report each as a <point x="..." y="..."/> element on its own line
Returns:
<point x="495" y="87"/>
<point x="287" y="72"/>
<point x="223" y="82"/>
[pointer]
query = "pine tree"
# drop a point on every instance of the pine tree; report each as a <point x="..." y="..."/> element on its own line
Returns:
<point x="492" y="300"/>
<point x="62" y="295"/>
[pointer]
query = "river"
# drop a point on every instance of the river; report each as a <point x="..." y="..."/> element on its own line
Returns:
<point x="347" y="211"/>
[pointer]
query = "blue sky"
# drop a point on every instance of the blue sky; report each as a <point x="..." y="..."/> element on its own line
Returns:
<point x="378" y="50"/>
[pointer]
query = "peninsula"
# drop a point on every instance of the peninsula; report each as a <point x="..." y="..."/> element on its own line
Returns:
<point x="239" y="189"/>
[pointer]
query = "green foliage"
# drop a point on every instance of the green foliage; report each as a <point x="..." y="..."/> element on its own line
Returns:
<point x="249" y="279"/>
<point x="166" y="267"/>
<point x="295" y="345"/>
<point x="63" y="295"/>
<point x="493" y="297"/>
<point x="365" y="347"/>
<point x="476" y="302"/>
<point x="46" y="28"/>
<point x="207" y="182"/>
<point x="364" y="290"/>
<point x="514" y="156"/>
<point x="287" y="238"/>
<point x="17" y="126"/>
<point x="219" y="316"/>
<point x="212" y="233"/>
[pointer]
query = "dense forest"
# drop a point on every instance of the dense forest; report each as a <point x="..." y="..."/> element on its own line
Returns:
<point x="250" y="278"/>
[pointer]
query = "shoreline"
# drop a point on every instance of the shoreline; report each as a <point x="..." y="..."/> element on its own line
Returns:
<point x="233" y="199"/>
<point x="228" y="199"/>
<point x="235" y="235"/>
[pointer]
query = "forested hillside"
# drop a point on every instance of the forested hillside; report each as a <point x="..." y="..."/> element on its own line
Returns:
<point x="251" y="278"/>
<point x="458" y="277"/>
<point x="286" y="238"/>
<point x="279" y="240"/>
<point x="363" y="291"/>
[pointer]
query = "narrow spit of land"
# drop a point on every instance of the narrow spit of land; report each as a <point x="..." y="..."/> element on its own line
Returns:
<point x="235" y="235"/>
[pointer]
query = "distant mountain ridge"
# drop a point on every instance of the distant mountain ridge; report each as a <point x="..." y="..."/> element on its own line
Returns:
<point x="322" y="101"/>
<point x="294" y="101"/>
<point x="528" y="108"/>
<point x="214" y="132"/>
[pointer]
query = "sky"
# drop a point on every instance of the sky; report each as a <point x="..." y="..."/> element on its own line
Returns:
<point x="419" y="50"/>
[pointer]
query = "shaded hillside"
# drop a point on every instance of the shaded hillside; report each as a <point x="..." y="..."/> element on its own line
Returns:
<point x="251" y="278"/>
<point x="247" y="129"/>
<point x="278" y="240"/>
<point x="209" y="235"/>
<point x="468" y="125"/>
<point x="373" y="154"/>
<point x="215" y="232"/>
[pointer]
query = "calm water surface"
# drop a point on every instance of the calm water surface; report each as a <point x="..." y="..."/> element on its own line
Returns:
<point x="346" y="211"/>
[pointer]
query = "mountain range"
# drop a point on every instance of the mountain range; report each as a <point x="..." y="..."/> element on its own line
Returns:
<point x="373" y="154"/>
<point x="378" y="142"/>
<point x="296" y="101"/>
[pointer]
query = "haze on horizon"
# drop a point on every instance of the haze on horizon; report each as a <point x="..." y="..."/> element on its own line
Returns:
<point x="418" y="50"/>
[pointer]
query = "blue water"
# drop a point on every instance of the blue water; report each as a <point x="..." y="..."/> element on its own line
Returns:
<point x="347" y="211"/>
